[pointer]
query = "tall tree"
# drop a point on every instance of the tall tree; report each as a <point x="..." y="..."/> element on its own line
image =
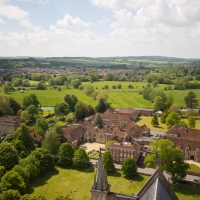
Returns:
<point x="51" y="142"/>
<point x="81" y="111"/>
<point x="61" y="109"/>
<point x="191" y="100"/>
<point x="168" y="158"/>
<point x="23" y="134"/>
<point x="30" y="100"/>
<point x="98" y="121"/>
<point x="81" y="158"/>
<point x="154" y="120"/>
<point x="108" y="161"/>
<point x="65" y="154"/>
<point x="71" y="100"/>
<point x="191" y="122"/>
<point x="101" y="106"/>
<point x="129" y="167"/>
<point x="10" y="195"/>
<point x="12" y="180"/>
<point x="172" y="119"/>
<point x="8" y="155"/>
<point x="158" y="103"/>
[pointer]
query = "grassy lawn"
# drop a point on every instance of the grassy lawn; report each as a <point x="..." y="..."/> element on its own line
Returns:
<point x="162" y="127"/>
<point x="63" y="181"/>
<point x="147" y="120"/>
<point x="194" y="168"/>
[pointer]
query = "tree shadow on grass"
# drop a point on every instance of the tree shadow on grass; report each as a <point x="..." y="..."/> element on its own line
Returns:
<point x="114" y="173"/>
<point x="186" y="189"/>
<point x="137" y="177"/>
<point x="42" y="180"/>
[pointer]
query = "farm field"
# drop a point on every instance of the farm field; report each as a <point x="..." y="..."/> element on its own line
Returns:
<point x="118" y="98"/>
<point x="63" y="181"/>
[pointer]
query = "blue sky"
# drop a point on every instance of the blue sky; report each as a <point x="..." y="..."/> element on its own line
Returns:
<point x="100" y="28"/>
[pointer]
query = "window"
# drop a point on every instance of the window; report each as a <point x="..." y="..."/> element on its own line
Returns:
<point x="187" y="147"/>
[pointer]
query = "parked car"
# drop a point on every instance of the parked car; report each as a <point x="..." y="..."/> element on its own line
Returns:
<point x="194" y="181"/>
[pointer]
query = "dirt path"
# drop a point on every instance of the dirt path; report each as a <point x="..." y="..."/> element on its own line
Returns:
<point x="193" y="162"/>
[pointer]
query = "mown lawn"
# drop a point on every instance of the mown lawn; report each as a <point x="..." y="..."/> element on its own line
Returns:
<point x="63" y="181"/>
<point x="147" y="120"/>
<point x="162" y="127"/>
<point x="194" y="168"/>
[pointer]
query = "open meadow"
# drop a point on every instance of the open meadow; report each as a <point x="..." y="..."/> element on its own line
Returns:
<point x="118" y="98"/>
<point x="63" y="181"/>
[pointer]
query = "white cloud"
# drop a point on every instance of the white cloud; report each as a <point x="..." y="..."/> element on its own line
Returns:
<point x="44" y="2"/>
<point x="122" y="4"/>
<point x="1" y="21"/>
<point x="71" y="22"/>
<point x="12" y="12"/>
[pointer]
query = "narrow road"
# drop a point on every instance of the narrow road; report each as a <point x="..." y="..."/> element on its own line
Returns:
<point x="150" y="171"/>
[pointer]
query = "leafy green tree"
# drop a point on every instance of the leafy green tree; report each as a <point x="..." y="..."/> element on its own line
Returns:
<point x="168" y="158"/>
<point x="101" y="106"/>
<point x="191" y="100"/>
<point x="90" y="110"/>
<point x="154" y="120"/>
<point x="41" y="86"/>
<point x="108" y="161"/>
<point x="70" y="118"/>
<point x="23" y="134"/>
<point x="32" y="111"/>
<point x="80" y="159"/>
<point x="2" y="171"/>
<point x="81" y="111"/>
<point x="14" y="105"/>
<point x="191" y="122"/>
<point x="129" y="167"/>
<point x="30" y="100"/>
<point x="65" y="154"/>
<point x="32" y="166"/>
<point x="88" y="90"/>
<point x="10" y="195"/>
<point x="61" y="109"/>
<point x="106" y="87"/>
<point x="174" y="108"/>
<point x="5" y="107"/>
<point x="158" y="103"/>
<point x="164" y="116"/>
<point x="45" y="159"/>
<point x="172" y="119"/>
<point x="75" y="83"/>
<point x="22" y="172"/>
<point x="42" y="122"/>
<point x="119" y="86"/>
<point x="51" y="142"/>
<point x="114" y="86"/>
<point x="71" y="100"/>
<point x="12" y="180"/>
<point x="191" y="112"/>
<point x="8" y="155"/>
<point x="98" y="121"/>
<point x="67" y="197"/>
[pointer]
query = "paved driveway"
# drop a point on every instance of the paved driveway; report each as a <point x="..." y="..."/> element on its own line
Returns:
<point x="93" y="146"/>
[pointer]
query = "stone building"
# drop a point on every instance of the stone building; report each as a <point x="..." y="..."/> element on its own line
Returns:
<point x="9" y="124"/>
<point x="157" y="187"/>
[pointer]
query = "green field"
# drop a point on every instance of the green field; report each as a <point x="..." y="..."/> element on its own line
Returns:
<point x="118" y="98"/>
<point x="63" y="181"/>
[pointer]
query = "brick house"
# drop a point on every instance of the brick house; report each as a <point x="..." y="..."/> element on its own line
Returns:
<point x="9" y="124"/>
<point x="120" y="151"/>
<point x="135" y="131"/>
<point x="73" y="133"/>
<point x="187" y="140"/>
